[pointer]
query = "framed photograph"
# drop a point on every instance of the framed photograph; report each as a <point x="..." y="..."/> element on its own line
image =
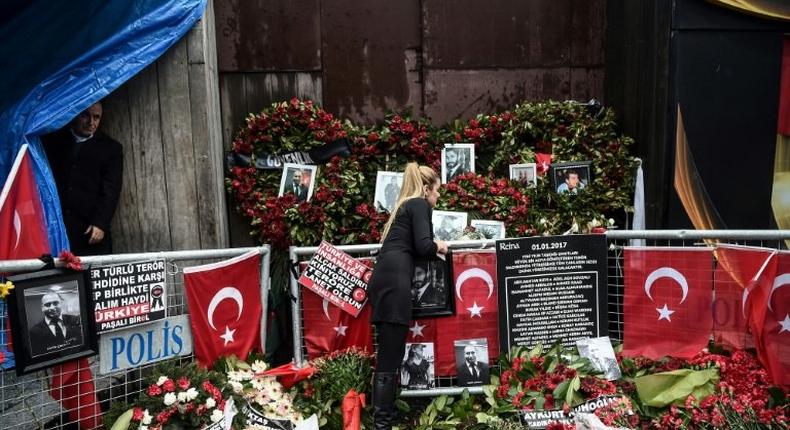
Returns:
<point x="298" y="179"/>
<point x="489" y="229"/>
<point x="448" y="225"/>
<point x="471" y="361"/>
<point x="417" y="371"/>
<point x="457" y="159"/>
<point x="527" y="174"/>
<point x="388" y="186"/>
<point x="431" y="288"/>
<point x="52" y="320"/>
<point x="571" y="177"/>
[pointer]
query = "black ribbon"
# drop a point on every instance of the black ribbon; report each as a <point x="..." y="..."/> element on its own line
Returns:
<point x="266" y="161"/>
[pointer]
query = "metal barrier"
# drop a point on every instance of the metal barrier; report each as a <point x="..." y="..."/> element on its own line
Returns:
<point x="25" y="402"/>
<point x="616" y="239"/>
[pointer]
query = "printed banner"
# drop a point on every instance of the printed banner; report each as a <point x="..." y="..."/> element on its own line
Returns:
<point x="126" y="295"/>
<point x="138" y="346"/>
<point x="338" y="277"/>
<point x="254" y="417"/>
<point x="541" y="419"/>
<point x="551" y="288"/>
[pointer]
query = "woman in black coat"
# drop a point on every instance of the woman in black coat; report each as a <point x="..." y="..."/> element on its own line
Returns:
<point x="407" y="235"/>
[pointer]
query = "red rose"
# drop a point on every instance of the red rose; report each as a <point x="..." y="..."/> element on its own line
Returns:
<point x="154" y="390"/>
<point x="183" y="383"/>
<point x="169" y="386"/>
<point x="137" y="414"/>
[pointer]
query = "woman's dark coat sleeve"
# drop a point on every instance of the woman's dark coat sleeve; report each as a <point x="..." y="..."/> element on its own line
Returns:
<point x="424" y="245"/>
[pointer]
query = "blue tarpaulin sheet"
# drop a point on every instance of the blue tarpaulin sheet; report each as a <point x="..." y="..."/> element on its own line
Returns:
<point x="59" y="57"/>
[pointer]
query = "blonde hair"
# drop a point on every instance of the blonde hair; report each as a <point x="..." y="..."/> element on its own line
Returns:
<point x="415" y="177"/>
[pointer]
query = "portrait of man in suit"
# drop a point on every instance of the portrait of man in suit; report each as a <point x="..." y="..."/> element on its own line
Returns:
<point x="56" y="330"/>
<point x="298" y="180"/>
<point x="472" y="364"/>
<point x="457" y="159"/>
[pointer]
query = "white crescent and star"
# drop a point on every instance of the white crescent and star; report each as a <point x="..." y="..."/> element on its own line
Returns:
<point x="779" y="282"/>
<point x="231" y="293"/>
<point x="666" y="272"/>
<point x="467" y="275"/>
<point x="17" y="228"/>
<point x="416" y="329"/>
<point x="341" y="329"/>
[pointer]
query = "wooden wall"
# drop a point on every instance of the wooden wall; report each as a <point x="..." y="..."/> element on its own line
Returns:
<point x="168" y="120"/>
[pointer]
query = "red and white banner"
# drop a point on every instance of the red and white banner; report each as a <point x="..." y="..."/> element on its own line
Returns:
<point x="763" y="275"/>
<point x="224" y="301"/>
<point x="24" y="233"/>
<point x="667" y="301"/>
<point x="337" y="277"/>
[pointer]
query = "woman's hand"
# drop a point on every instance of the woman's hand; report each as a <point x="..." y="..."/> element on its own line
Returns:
<point x="441" y="246"/>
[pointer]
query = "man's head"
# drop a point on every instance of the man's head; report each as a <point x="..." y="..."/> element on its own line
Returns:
<point x="50" y="305"/>
<point x="87" y="122"/>
<point x="297" y="178"/>
<point x="572" y="179"/>
<point x="470" y="354"/>
<point x="452" y="158"/>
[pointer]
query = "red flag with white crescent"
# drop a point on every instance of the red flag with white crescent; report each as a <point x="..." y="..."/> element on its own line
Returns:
<point x="224" y="301"/>
<point x="21" y="214"/>
<point x="667" y="301"/>
<point x="776" y="326"/>
<point x="476" y="314"/>
<point x="328" y="328"/>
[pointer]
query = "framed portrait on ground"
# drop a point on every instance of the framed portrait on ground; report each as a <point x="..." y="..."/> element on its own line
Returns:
<point x="431" y="287"/>
<point x="571" y="177"/>
<point x="448" y="225"/>
<point x="471" y="361"/>
<point x="388" y="186"/>
<point x="457" y="159"/>
<point x="489" y="229"/>
<point x="527" y="174"/>
<point x="417" y="370"/>
<point x="298" y="179"/>
<point x="52" y="319"/>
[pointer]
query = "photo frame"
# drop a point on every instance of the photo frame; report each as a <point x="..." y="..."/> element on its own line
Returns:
<point x="432" y="288"/>
<point x="418" y="370"/>
<point x="526" y="174"/>
<point x="52" y="319"/>
<point x="448" y="225"/>
<point x="298" y="179"/>
<point x="489" y="229"/>
<point x="571" y="177"/>
<point x="457" y="159"/>
<point x="388" y="185"/>
<point x="471" y="362"/>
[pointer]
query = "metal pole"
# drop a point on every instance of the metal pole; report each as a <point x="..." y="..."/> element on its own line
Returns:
<point x="296" y="307"/>
<point x="265" y="285"/>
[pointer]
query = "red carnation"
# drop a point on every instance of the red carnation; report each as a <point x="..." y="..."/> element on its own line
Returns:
<point x="154" y="390"/>
<point x="137" y="414"/>
<point x="183" y="383"/>
<point x="169" y="386"/>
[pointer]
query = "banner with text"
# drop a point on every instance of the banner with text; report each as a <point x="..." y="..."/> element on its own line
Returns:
<point x="551" y="288"/>
<point x="337" y="277"/>
<point x="127" y="295"/>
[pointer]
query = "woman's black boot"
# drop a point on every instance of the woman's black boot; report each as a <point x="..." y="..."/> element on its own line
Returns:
<point x="384" y="389"/>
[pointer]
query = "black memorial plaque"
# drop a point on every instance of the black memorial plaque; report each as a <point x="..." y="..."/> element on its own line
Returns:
<point x="551" y="288"/>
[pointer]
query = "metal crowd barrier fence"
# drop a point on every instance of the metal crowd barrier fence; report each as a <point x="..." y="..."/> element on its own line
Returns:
<point x="25" y="402"/>
<point x="616" y="239"/>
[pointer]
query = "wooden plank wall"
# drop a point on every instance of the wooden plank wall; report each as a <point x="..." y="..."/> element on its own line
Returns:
<point x="167" y="118"/>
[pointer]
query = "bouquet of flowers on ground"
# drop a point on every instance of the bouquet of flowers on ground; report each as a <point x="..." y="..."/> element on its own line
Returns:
<point x="263" y="393"/>
<point x="177" y="396"/>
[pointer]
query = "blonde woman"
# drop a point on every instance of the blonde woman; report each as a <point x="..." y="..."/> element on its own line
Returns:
<point x="407" y="235"/>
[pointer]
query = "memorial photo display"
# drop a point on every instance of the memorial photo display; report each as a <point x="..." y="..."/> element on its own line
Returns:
<point x="52" y="321"/>
<point x="431" y="288"/>
<point x="551" y="289"/>
<point x="130" y="294"/>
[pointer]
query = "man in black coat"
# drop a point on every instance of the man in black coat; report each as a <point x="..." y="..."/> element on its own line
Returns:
<point x="56" y="331"/>
<point x="88" y="170"/>
<point x="471" y="371"/>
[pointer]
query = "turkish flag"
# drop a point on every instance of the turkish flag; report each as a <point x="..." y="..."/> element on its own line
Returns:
<point x="667" y="301"/>
<point x="327" y="328"/>
<point x="730" y="326"/>
<point x="21" y="214"/>
<point x="224" y="301"/>
<point x="776" y="326"/>
<point x="476" y="313"/>
<point x="72" y="384"/>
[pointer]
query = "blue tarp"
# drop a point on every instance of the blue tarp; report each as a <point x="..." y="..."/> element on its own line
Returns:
<point x="59" y="57"/>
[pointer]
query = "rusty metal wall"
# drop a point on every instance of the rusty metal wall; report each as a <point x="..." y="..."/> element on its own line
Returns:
<point x="440" y="58"/>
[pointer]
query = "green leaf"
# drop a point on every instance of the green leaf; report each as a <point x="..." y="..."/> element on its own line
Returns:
<point x="123" y="421"/>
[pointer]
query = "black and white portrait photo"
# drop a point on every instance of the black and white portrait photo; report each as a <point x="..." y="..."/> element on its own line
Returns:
<point x="601" y="355"/>
<point x="471" y="360"/>
<point x="417" y="369"/>
<point x="570" y="177"/>
<point x="298" y="179"/>
<point x="448" y="225"/>
<point x="431" y="289"/>
<point x="457" y="159"/>
<point x="53" y="318"/>
<point x="489" y="229"/>
<point x="388" y="186"/>
<point x="52" y="321"/>
<point x="526" y="174"/>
